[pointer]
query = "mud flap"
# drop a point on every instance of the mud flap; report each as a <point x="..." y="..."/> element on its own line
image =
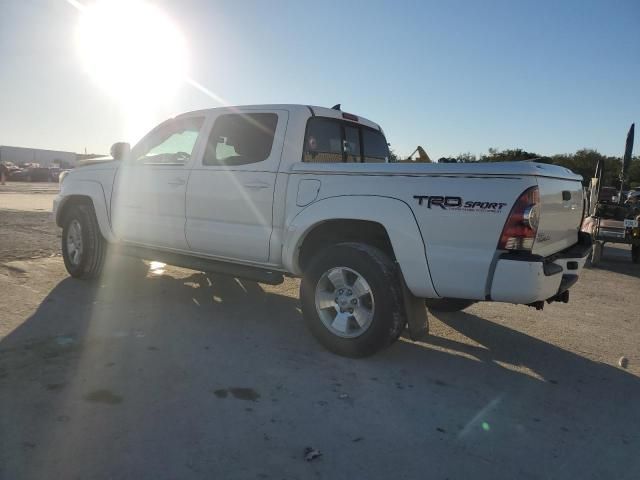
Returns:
<point x="416" y="314"/>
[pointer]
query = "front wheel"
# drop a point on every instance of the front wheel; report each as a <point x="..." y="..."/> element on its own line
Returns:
<point x="351" y="299"/>
<point x="83" y="247"/>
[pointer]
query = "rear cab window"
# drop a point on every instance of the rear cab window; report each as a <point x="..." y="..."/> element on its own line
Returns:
<point x="329" y="140"/>
<point x="323" y="142"/>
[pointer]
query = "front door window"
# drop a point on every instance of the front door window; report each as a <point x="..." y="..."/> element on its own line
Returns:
<point x="171" y="143"/>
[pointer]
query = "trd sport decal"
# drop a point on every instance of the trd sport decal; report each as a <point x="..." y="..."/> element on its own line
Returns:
<point x="457" y="203"/>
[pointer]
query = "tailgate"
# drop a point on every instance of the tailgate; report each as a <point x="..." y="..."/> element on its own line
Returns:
<point x="560" y="216"/>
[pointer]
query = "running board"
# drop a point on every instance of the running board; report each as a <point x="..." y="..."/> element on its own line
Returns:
<point x="204" y="265"/>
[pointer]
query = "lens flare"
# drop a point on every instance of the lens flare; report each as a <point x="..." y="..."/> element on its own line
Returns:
<point x="136" y="54"/>
<point x="131" y="48"/>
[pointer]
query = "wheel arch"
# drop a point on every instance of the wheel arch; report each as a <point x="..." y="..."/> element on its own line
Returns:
<point x="83" y="193"/>
<point x="329" y="232"/>
<point x="384" y="222"/>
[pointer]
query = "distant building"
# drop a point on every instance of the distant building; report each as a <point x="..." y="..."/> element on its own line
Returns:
<point x="45" y="158"/>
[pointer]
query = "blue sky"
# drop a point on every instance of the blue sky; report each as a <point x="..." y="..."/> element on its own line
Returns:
<point x="454" y="76"/>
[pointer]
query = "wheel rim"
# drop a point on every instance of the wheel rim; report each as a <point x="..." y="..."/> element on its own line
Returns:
<point x="74" y="242"/>
<point x="344" y="302"/>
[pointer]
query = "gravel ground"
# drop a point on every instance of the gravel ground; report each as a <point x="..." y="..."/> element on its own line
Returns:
<point x="26" y="227"/>
<point x="31" y="188"/>
<point x="27" y="197"/>
<point x="168" y="373"/>
<point x="27" y="235"/>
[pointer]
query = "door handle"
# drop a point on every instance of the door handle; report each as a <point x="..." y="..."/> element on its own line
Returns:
<point x="257" y="185"/>
<point x="177" y="182"/>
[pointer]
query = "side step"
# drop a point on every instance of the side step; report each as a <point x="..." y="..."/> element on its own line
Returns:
<point x="204" y="265"/>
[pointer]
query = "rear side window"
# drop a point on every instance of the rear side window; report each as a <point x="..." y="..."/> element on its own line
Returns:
<point x="241" y="138"/>
<point x="334" y="141"/>
<point x="375" y="146"/>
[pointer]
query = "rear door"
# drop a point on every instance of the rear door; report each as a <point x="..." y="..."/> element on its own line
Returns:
<point x="230" y="191"/>
<point x="148" y="201"/>
<point x="560" y="215"/>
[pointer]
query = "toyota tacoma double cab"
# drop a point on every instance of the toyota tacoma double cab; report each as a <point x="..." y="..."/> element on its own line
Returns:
<point x="267" y="191"/>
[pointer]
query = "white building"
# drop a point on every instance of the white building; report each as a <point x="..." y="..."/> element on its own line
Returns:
<point x="45" y="158"/>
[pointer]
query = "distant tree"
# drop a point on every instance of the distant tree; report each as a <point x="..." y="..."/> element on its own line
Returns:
<point x="467" y="157"/>
<point x="584" y="162"/>
<point x="509" y="155"/>
<point x="393" y="156"/>
<point x="634" y="172"/>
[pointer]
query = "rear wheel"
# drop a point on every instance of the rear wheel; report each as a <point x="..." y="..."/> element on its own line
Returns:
<point x="351" y="299"/>
<point x="83" y="247"/>
<point x="447" y="304"/>
<point x="635" y="253"/>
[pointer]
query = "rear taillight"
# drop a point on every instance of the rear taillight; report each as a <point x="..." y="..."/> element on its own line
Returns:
<point x="520" y="229"/>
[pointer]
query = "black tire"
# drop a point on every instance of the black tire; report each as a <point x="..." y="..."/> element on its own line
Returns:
<point x="382" y="276"/>
<point x="447" y="304"/>
<point x="90" y="262"/>
<point x="635" y="253"/>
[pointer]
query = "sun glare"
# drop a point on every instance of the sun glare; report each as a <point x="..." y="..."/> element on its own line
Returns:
<point x="132" y="49"/>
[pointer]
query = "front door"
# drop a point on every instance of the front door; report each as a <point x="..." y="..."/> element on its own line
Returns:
<point x="148" y="202"/>
<point x="230" y="191"/>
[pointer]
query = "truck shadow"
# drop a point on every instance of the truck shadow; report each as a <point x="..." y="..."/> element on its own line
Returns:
<point x="617" y="259"/>
<point x="213" y="375"/>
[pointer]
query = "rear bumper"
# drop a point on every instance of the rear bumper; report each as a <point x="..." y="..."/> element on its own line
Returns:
<point x="527" y="278"/>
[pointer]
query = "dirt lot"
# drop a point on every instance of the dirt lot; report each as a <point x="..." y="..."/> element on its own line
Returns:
<point x="27" y="235"/>
<point x="26" y="229"/>
<point x="167" y="373"/>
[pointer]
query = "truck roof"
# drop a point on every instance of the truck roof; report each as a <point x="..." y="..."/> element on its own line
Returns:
<point x="311" y="110"/>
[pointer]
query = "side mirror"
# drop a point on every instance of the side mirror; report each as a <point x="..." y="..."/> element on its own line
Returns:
<point x="120" y="150"/>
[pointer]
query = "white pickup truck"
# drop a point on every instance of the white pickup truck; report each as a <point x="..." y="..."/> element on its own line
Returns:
<point x="265" y="191"/>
